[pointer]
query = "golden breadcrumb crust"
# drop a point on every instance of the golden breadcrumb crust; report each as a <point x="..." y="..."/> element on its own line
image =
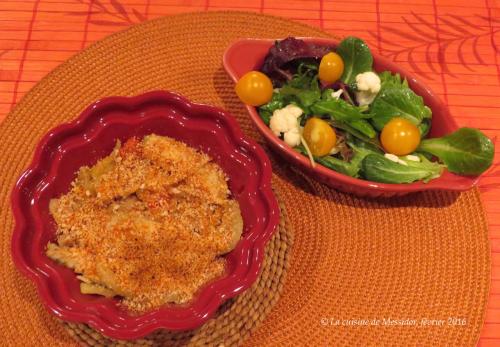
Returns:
<point x="150" y="222"/>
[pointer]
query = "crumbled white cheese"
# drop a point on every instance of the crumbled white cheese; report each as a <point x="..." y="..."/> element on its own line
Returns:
<point x="337" y="94"/>
<point x="391" y="157"/>
<point x="285" y="121"/>
<point x="292" y="137"/>
<point x="413" y="158"/>
<point x="364" y="98"/>
<point x="368" y="81"/>
<point x="293" y="109"/>
<point x="334" y="150"/>
<point x="395" y="159"/>
<point x="368" y="85"/>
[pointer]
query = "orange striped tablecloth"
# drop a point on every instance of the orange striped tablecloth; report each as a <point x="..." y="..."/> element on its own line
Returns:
<point x="453" y="45"/>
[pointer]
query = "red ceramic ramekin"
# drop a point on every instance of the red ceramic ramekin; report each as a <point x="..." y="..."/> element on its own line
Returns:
<point x="248" y="54"/>
<point x="92" y="136"/>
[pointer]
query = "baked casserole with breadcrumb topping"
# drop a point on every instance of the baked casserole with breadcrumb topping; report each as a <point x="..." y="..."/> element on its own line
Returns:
<point x="149" y="223"/>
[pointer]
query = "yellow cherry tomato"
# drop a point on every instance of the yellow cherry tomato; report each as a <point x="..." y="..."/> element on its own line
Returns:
<point x="319" y="136"/>
<point x="331" y="67"/>
<point x="400" y="137"/>
<point x="254" y="88"/>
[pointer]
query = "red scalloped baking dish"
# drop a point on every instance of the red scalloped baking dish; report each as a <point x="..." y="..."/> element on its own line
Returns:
<point x="92" y="136"/>
<point x="248" y="54"/>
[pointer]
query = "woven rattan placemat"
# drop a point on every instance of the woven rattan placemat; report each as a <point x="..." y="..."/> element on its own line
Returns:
<point x="361" y="272"/>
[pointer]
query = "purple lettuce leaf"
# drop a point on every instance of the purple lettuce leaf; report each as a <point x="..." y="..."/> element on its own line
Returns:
<point x="277" y="62"/>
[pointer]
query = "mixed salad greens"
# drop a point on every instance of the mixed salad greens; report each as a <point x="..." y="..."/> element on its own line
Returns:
<point x="330" y="105"/>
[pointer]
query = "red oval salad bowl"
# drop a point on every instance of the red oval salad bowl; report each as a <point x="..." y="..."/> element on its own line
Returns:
<point x="248" y="54"/>
<point x="92" y="136"/>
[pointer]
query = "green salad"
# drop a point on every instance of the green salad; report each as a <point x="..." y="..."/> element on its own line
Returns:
<point x="330" y="105"/>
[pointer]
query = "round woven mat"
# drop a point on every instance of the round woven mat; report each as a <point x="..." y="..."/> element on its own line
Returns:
<point x="411" y="271"/>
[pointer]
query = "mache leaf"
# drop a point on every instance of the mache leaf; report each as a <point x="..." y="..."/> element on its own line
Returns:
<point x="338" y="109"/>
<point x="327" y="94"/>
<point x="303" y="88"/>
<point x="354" y="132"/>
<point x="396" y="99"/>
<point x="361" y="151"/>
<point x="356" y="56"/>
<point x="364" y="127"/>
<point x="339" y="165"/>
<point x="350" y="168"/>
<point x="304" y="97"/>
<point x="387" y="77"/>
<point x="376" y="167"/>
<point x="467" y="151"/>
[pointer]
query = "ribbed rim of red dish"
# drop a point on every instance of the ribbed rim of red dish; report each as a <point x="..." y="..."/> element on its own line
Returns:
<point x="41" y="270"/>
